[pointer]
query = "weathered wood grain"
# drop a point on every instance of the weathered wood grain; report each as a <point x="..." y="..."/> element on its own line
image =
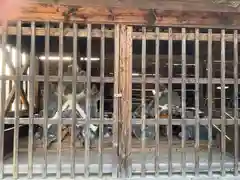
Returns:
<point x="183" y="5"/>
<point x="134" y="15"/>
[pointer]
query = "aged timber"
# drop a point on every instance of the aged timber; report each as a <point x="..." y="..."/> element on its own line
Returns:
<point x="176" y="5"/>
<point x="125" y="89"/>
<point x="137" y="16"/>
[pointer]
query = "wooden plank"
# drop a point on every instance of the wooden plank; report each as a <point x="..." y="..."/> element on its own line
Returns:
<point x="109" y="33"/>
<point x="115" y="145"/>
<point x="117" y="14"/>
<point x="125" y="89"/>
<point x="184" y="5"/>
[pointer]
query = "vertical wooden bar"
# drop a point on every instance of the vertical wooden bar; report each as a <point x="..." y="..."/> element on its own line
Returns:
<point x="223" y="103"/>
<point x="170" y="72"/>
<point x="210" y="102"/>
<point x="102" y="69"/>
<point x="88" y="100"/>
<point x="183" y="154"/>
<point x="31" y="101"/>
<point x="156" y="108"/>
<point x="45" y="100"/>
<point x="60" y="92"/>
<point x="2" y="99"/>
<point x="17" y="100"/>
<point x="201" y="88"/>
<point x="214" y="90"/>
<point x="115" y="163"/>
<point x="143" y="104"/>
<point x="74" y="101"/>
<point x="129" y="49"/>
<point x="125" y="87"/>
<point x="197" y="102"/>
<point x="236" y="125"/>
<point x="37" y="84"/>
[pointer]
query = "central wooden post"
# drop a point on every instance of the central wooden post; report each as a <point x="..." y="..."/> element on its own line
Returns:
<point x="125" y="108"/>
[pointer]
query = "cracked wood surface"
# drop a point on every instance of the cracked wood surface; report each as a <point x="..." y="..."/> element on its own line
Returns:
<point x="182" y="5"/>
<point x="131" y="16"/>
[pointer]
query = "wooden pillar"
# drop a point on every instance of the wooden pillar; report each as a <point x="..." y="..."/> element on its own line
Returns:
<point x="125" y="108"/>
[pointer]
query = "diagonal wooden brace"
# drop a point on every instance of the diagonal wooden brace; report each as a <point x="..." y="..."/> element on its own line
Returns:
<point x="11" y="96"/>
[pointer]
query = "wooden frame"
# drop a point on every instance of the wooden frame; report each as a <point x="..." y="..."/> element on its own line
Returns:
<point x="166" y="14"/>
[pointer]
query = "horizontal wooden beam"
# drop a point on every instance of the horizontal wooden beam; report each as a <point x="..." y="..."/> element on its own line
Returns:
<point x="137" y="80"/>
<point x="176" y="5"/>
<point x="109" y="33"/>
<point x="103" y="15"/>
